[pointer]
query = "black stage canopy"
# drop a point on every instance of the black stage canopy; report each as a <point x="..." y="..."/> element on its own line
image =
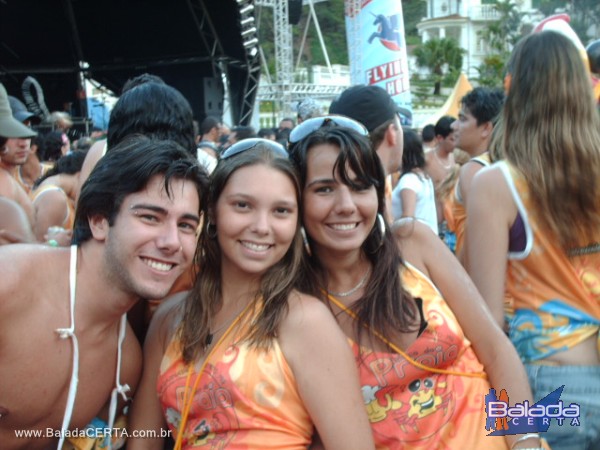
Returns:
<point x="189" y="43"/>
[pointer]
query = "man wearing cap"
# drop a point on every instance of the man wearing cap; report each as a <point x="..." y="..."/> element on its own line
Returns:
<point x="376" y="110"/>
<point x="32" y="169"/>
<point x="15" y="139"/>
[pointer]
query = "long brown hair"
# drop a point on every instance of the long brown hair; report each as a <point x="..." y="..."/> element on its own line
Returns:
<point x="385" y="306"/>
<point x="550" y="131"/>
<point x="205" y="298"/>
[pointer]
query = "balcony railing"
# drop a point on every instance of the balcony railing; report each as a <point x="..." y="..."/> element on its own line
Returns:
<point x="483" y="12"/>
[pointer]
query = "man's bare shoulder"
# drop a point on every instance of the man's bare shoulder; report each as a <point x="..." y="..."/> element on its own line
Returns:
<point x="28" y="268"/>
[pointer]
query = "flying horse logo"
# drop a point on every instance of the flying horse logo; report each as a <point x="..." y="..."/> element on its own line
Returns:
<point x="388" y="31"/>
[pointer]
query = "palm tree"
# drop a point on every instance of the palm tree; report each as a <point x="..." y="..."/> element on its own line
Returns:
<point x="439" y="56"/>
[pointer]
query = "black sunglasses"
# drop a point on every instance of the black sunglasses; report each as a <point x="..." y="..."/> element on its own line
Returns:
<point x="247" y="144"/>
<point x="311" y="125"/>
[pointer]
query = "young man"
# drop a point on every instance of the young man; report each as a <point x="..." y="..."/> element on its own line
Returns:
<point x="440" y="160"/>
<point x="15" y="139"/>
<point x="473" y="133"/>
<point x="65" y="344"/>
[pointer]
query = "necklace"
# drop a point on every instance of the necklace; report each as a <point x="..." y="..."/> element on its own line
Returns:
<point x="188" y="396"/>
<point x="360" y="284"/>
<point x="445" y="166"/>
<point x="211" y="335"/>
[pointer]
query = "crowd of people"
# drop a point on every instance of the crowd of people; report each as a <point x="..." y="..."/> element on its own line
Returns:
<point x="341" y="282"/>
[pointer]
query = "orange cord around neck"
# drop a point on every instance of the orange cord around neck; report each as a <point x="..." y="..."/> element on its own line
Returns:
<point x="188" y="397"/>
<point x="397" y="349"/>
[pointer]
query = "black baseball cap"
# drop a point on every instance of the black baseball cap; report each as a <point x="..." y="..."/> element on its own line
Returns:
<point x="370" y="105"/>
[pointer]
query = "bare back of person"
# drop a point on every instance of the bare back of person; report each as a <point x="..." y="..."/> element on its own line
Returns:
<point x="438" y="167"/>
<point x="38" y="363"/>
<point x="10" y="188"/>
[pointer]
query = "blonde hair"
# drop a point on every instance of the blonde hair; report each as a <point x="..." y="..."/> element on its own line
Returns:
<point x="550" y="131"/>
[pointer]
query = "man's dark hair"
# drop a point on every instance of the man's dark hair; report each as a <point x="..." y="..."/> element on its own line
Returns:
<point x="484" y="103"/>
<point x="208" y="124"/>
<point x="242" y="132"/>
<point x="443" y="126"/>
<point x="413" y="155"/>
<point x="127" y="169"/>
<point x="156" y="110"/>
<point x="428" y="133"/>
<point x="139" y="80"/>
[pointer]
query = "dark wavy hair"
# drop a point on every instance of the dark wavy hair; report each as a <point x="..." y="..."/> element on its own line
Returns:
<point x="413" y="156"/>
<point x="278" y="282"/>
<point x="156" y="110"/>
<point x="385" y="306"/>
<point x="127" y="169"/>
<point x="484" y="103"/>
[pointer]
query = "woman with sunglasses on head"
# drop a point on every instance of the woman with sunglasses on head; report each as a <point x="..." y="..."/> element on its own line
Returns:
<point x="422" y="337"/>
<point x="244" y="360"/>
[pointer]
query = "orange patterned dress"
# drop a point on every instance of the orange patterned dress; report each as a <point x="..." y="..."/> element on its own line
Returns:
<point x="246" y="398"/>
<point x="412" y="408"/>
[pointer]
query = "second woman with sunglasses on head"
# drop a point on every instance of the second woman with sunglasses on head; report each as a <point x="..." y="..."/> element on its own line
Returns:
<point x="422" y="353"/>
<point x="245" y="361"/>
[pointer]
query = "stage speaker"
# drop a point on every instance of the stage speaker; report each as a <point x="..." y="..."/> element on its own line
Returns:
<point x="213" y="96"/>
<point x="294" y="11"/>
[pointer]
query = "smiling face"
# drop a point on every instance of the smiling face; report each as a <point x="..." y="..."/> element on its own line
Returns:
<point x="337" y="217"/>
<point x="256" y="217"/>
<point x="153" y="238"/>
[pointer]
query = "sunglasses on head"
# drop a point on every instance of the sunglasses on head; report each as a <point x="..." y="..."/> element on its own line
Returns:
<point x="248" y="144"/>
<point x="311" y="125"/>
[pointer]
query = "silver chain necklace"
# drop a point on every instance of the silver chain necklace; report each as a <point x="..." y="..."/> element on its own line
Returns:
<point x="360" y="284"/>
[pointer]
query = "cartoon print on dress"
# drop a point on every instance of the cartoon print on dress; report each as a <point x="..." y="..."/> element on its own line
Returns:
<point x="378" y="405"/>
<point x="428" y="407"/>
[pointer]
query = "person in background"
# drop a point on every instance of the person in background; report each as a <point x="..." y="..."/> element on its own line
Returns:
<point x="428" y="137"/>
<point x="286" y="122"/>
<point x="400" y="316"/>
<point x="307" y="109"/>
<point x="210" y="130"/>
<point x="15" y="140"/>
<point x="149" y="107"/>
<point x="276" y="357"/>
<point x="533" y="228"/>
<point x="414" y="195"/>
<point x="240" y="133"/>
<point x="267" y="133"/>
<point x="479" y="110"/>
<point x="53" y="198"/>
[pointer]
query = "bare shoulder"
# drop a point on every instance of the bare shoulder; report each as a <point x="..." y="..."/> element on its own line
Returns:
<point x="417" y="242"/>
<point x="490" y="177"/>
<point x="306" y="311"/>
<point x="28" y="270"/>
<point x="490" y="187"/>
<point x="166" y="319"/>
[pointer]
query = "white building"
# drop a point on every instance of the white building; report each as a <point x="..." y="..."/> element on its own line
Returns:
<point x="462" y="20"/>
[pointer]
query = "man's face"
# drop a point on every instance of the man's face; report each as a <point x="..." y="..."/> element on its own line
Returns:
<point x="469" y="136"/>
<point x="16" y="151"/>
<point x="153" y="238"/>
<point x="286" y="124"/>
<point x="447" y="143"/>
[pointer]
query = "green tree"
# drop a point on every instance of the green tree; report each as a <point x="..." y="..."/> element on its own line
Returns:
<point x="500" y="37"/>
<point x="440" y="56"/>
